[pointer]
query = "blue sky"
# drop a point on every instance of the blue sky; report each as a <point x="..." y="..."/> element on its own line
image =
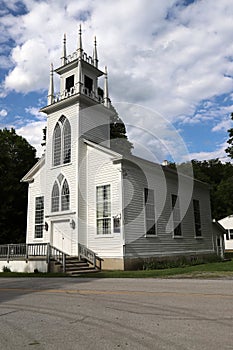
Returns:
<point x="174" y="58"/>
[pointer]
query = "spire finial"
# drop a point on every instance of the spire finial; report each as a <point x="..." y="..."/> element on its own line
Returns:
<point x="64" y="57"/>
<point x="80" y="46"/>
<point x="106" y="98"/>
<point x="95" y="56"/>
<point x="51" y="87"/>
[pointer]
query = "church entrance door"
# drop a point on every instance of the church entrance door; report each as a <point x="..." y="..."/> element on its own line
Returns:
<point x="61" y="236"/>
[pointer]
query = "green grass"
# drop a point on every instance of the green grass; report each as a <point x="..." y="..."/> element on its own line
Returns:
<point x="210" y="270"/>
<point x="26" y="274"/>
<point x="222" y="269"/>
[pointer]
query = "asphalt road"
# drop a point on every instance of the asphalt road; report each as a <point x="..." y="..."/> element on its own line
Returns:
<point x="72" y="313"/>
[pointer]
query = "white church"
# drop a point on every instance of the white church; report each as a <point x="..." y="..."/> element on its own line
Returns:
<point x="91" y="203"/>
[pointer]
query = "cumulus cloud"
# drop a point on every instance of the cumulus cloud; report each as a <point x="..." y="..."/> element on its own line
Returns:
<point x="224" y="125"/>
<point x="160" y="54"/>
<point x="3" y="113"/>
<point x="32" y="132"/>
<point x="218" y="153"/>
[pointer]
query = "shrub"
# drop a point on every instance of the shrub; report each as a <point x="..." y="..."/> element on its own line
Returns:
<point x="6" y="269"/>
<point x="181" y="261"/>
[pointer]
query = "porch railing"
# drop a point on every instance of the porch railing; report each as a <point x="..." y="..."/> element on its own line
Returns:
<point x="23" y="250"/>
<point x="89" y="255"/>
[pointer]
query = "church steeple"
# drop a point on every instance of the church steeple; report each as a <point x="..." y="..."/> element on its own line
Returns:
<point x="79" y="75"/>
<point x="95" y="56"/>
<point x="80" y="46"/>
<point x="64" y="57"/>
<point x="51" y="87"/>
<point x="106" y="98"/>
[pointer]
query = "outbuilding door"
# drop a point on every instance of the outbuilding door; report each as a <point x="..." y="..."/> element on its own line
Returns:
<point x="61" y="236"/>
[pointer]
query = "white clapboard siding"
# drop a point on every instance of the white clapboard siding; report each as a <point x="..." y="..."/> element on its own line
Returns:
<point x="102" y="171"/>
<point x="137" y="244"/>
<point x="94" y="123"/>
<point x="69" y="171"/>
<point x="82" y="193"/>
<point x="35" y="189"/>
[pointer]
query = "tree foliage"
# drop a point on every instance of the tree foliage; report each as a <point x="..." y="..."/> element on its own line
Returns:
<point x="119" y="140"/>
<point x="17" y="156"/>
<point x="220" y="178"/>
<point x="229" y="149"/>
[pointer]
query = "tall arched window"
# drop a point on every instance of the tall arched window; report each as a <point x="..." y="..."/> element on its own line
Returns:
<point x="60" y="199"/>
<point x="66" y="142"/>
<point x="57" y="145"/>
<point x="62" y="142"/>
<point x="55" y="197"/>
<point x="65" y="196"/>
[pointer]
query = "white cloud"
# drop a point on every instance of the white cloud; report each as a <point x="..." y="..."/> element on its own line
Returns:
<point x="32" y="132"/>
<point x="151" y="60"/>
<point x="224" y="125"/>
<point x="3" y="113"/>
<point x="30" y="67"/>
<point x="161" y="54"/>
<point x="218" y="153"/>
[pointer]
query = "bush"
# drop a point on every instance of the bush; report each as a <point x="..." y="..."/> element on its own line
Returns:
<point x="6" y="269"/>
<point x="181" y="261"/>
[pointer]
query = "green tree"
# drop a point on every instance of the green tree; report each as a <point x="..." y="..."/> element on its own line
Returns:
<point x="220" y="178"/>
<point x="119" y="140"/>
<point x="229" y="149"/>
<point x="17" y="156"/>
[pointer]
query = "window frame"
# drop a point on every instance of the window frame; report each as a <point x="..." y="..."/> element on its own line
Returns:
<point x="106" y="205"/>
<point x="55" y="198"/>
<point x="39" y="211"/>
<point x="65" y="197"/>
<point x="69" y="83"/>
<point x="61" y="150"/>
<point x="177" y="228"/>
<point x="197" y="218"/>
<point x="59" y="198"/>
<point x="57" y="145"/>
<point x="149" y="194"/>
<point x="230" y="233"/>
<point x="66" y="142"/>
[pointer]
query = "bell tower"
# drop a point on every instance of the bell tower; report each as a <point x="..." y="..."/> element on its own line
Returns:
<point x="79" y="85"/>
<point x="79" y="74"/>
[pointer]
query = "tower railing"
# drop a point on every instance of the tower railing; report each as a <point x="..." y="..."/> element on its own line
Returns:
<point x="75" y="90"/>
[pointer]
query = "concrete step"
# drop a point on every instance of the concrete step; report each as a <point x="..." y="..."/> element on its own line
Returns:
<point x="78" y="272"/>
<point x="74" y="266"/>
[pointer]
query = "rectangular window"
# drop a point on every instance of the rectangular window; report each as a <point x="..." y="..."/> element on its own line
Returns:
<point x="176" y="216"/>
<point x="88" y="83"/>
<point x="103" y="209"/>
<point x="230" y="234"/>
<point x="197" y="217"/>
<point x="149" y="211"/>
<point x="39" y="217"/>
<point x="69" y="82"/>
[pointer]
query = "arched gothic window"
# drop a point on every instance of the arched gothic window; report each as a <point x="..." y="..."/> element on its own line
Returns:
<point x="55" y="197"/>
<point x="62" y="142"/>
<point x="60" y="195"/>
<point x="65" y="196"/>
<point x="66" y="142"/>
<point x="57" y="145"/>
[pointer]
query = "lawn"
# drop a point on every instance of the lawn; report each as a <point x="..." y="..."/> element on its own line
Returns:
<point x="210" y="270"/>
